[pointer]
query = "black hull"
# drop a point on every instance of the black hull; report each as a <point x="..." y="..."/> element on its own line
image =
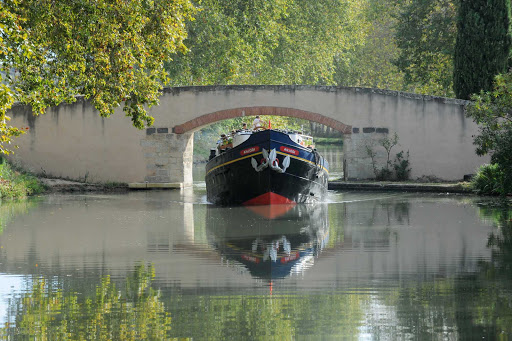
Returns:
<point x="232" y="178"/>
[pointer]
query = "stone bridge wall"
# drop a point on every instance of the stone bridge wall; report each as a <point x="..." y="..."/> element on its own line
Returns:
<point x="72" y="141"/>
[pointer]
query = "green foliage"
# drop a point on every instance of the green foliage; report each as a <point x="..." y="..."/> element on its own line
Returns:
<point x="16" y="183"/>
<point x="369" y="62"/>
<point x="488" y="180"/>
<point x="229" y="42"/>
<point x="319" y="35"/>
<point x="267" y="42"/>
<point x="492" y="111"/>
<point x="9" y="25"/>
<point x="351" y="43"/>
<point x="111" y="314"/>
<point x="483" y="45"/>
<point x="400" y="165"/>
<point x="112" y="52"/>
<point x="388" y="143"/>
<point x="425" y="35"/>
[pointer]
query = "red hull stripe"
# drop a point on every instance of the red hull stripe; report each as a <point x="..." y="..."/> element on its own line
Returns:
<point x="269" y="198"/>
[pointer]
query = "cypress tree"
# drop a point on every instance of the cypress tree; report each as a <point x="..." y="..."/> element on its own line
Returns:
<point x="483" y="45"/>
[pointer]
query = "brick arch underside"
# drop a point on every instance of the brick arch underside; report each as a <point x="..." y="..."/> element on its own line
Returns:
<point x="213" y="117"/>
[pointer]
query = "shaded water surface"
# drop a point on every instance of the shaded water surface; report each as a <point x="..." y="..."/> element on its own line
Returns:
<point x="165" y="264"/>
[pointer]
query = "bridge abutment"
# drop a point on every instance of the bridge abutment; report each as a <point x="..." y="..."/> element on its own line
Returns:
<point x="169" y="156"/>
<point x="357" y="162"/>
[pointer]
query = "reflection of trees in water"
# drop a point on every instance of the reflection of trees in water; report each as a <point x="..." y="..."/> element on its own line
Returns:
<point x="133" y="313"/>
<point x="501" y="242"/>
<point x="281" y="317"/>
<point x="420" y="311"/>
<point x="10" y="209"/>
<point x="372" y="222"/>
<point x="389" y="212"/>
<point x="396" y="212"/>
<point x="469" y="306"/>
<point x="491" y="286"/>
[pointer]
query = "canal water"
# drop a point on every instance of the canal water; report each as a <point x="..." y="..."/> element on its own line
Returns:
<point x="155" y="265"/>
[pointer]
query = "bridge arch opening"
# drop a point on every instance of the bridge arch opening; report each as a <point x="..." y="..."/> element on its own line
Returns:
<point x="314" y="123"/>
<point x="207" y="119"/>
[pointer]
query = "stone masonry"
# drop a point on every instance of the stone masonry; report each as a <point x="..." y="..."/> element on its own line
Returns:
<point x="356" y="161"/>
<point x="168" y="156"/>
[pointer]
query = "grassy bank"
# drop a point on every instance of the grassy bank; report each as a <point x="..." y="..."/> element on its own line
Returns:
<point x="16" y="183"/>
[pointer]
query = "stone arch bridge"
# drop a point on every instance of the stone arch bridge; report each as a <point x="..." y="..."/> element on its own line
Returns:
<point x="73" y="141"/>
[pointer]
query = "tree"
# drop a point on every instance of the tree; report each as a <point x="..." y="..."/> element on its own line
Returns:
<point x="369" y="64"/>
<point x="267" y="42"/>
<point x="229" y="41"/>
<point x="9" y="25"/>
<point x="112" y="52"/>
<point x="483" y="45"/>
<point x="492" y="110"/>
<point x="319" y="34"/>
<point x="425" y="35"/>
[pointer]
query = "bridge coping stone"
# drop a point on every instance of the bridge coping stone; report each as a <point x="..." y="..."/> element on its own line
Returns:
<point x="324" y="88"/>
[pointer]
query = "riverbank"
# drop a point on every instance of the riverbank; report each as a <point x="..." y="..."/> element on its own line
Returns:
<point x="66" y="186"/>
<point x="459" y="187"/>
<point x="15" y="183"/>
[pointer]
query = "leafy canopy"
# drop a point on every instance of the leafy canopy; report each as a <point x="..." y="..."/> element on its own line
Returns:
<point x="483" y="45"/>
<point x="110" y="51"/>
<point x="369" y="63"/>
<point x="268" y="42"/>
<point x="492" y="111"/>
<point x="425" y="34"/>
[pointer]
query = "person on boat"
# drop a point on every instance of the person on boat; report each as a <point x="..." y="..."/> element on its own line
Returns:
<point x="244" y="126"/>
<point x="256" y="124"/>
<point x="221" y="145"/>
<point x="230" y="138"/>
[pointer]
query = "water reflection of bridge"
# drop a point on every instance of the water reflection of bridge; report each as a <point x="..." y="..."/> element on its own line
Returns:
<point x="367" y="239"/>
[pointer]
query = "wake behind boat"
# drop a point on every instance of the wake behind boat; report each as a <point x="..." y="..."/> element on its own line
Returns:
<point x="266" y="167"/>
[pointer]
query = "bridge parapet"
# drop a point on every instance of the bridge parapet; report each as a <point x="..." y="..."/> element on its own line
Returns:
<point x="71" y="141"/>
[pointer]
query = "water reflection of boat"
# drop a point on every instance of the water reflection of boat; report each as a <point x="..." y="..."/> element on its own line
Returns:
<point x="269" y="248"/>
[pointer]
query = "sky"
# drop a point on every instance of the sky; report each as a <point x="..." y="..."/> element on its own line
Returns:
<point x="9" y="286"/>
